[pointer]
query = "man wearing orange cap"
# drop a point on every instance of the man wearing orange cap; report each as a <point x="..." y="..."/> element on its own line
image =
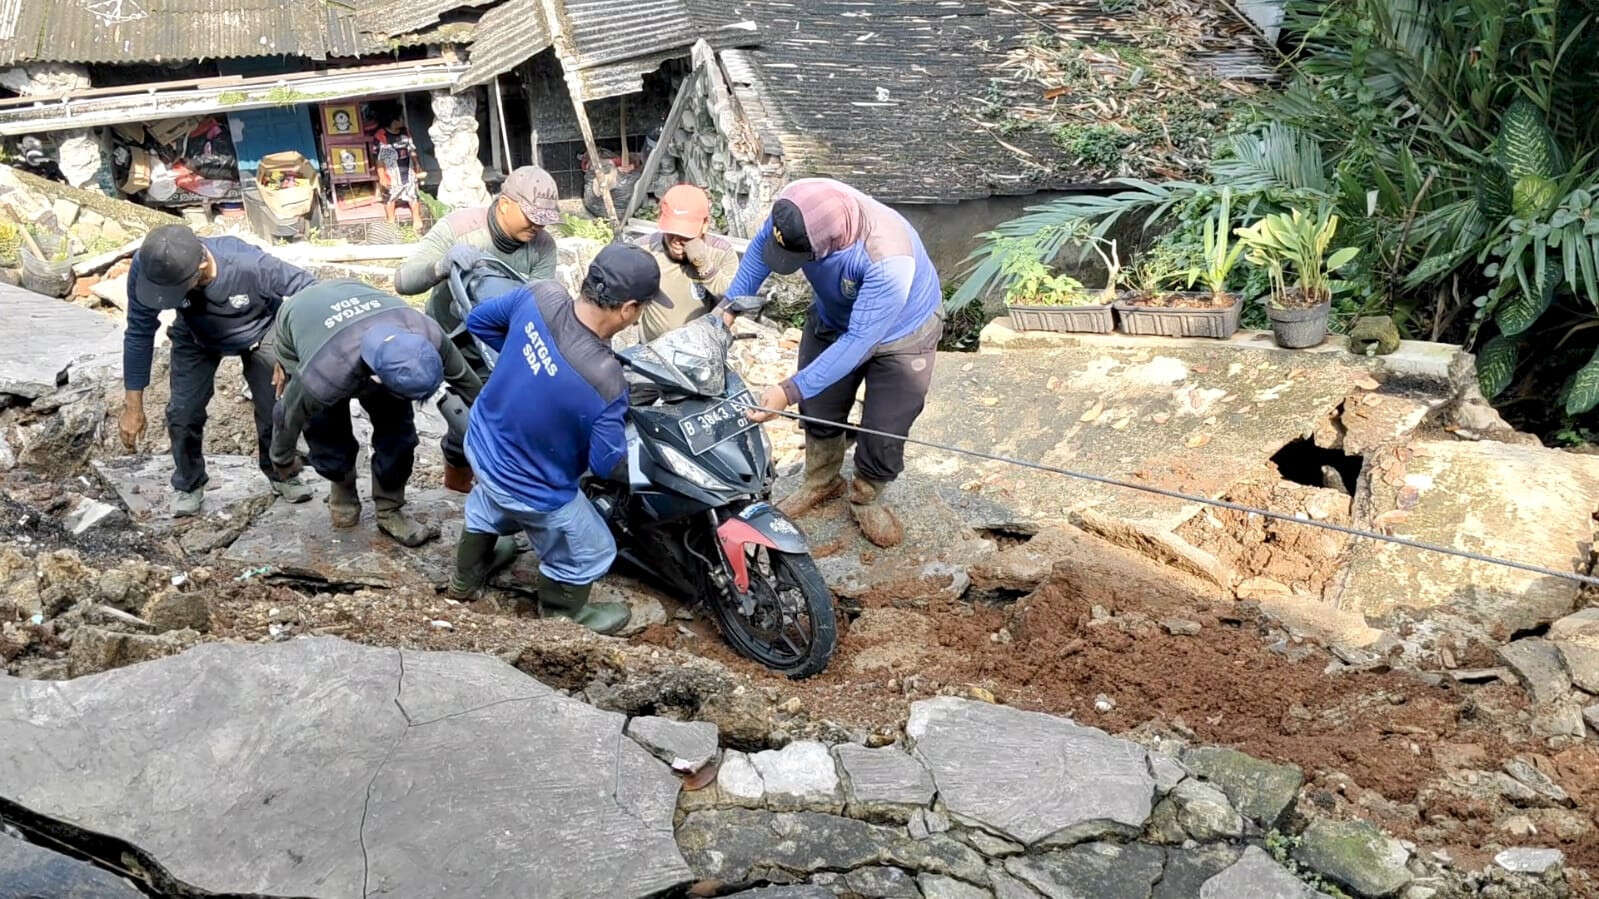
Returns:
<point x="696" y="267"/>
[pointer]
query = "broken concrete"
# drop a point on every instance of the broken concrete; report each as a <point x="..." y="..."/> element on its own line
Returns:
<point x="883" y="783"/>
<point x="46" y="344"/>
<point x="1033" y="778"/>
<point x="27" y="870"/>
<point x="1538" y="666"/>
<point x="435" y="773"/>
<point x="301" y="542"/>
<point x="144" y="485"/>
<point x="1529" y="504"/>
<point x="688" y="746"/>
<point x="1262" y="791"/>
<point x="1257" y="876"/>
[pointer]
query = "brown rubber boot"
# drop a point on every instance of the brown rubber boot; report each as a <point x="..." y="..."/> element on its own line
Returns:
<point x="823" y="459"/>
<point x="344" y="503"/>
<point x="877" y="521"/>
<point x="457" y="479"/>
<point x="392" y="520"/>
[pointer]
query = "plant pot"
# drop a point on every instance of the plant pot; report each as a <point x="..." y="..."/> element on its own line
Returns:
<point x="53" y="279"/>
<point x="1219" y="323"/>
<point x="1298" y="329"/>
<point x="1069" y="319"/>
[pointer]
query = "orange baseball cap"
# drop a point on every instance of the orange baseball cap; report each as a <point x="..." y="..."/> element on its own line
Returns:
<point x="684" y="211"/>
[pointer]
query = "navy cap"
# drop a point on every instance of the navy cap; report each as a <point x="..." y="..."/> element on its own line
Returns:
<point x="789" y="245"/>
<point x="169" y="266"/>
<point x="407" y="364"/>
<point x="620" y="273"/>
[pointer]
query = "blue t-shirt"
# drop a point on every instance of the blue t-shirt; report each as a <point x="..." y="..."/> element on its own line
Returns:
<point x="554" y="406"/>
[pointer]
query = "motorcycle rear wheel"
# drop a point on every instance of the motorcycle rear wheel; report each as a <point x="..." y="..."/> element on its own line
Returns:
<point x="790" y="626"/>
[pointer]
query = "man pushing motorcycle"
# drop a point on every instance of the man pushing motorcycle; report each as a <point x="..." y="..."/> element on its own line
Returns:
<point x="553" y="410"/>
<point x="875" y="318"/>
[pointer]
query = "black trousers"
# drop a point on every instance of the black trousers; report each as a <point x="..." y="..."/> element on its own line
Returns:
<point x="453" y="444"/>
<point x="897" y="377"/>
<point x="394" y="441"/>
<point x="193" y="380"/>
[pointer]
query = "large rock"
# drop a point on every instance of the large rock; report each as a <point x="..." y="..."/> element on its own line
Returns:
<point x="1262" y="791"/>
<point x="1034" y="778"/>
<point x="1204" y="813"/>
<point x="1530" y="504"/>
<point x="319" y="767"/>
<point x="1538" y="666"/>
<point x="1257" y="876"/>
<point x="96" y="649"/>
<point x="46" y="343"/>
<point x="801" y="775"/>
<point x="1187" y="870"/>
<point x="300" y="541"/>
<point x="736" y="846"/>
<point x="1355" y="855"/>
<point x="28" y="871"/>
<point x="1530" y="861"/>
<point x="1100" y="870"/>
<point x="883" y="783"/>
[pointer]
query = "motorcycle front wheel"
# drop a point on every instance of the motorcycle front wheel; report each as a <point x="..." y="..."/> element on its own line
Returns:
<point x="786" y="621"/>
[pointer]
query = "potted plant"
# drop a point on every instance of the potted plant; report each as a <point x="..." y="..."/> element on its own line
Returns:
<point x="1039" y="299"/>
<point x="1281" y="241"/>
<point x="1154" y="310"/>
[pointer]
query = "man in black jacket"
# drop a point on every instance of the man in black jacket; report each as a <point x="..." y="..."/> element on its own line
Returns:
<point x="227" y="295"/>
<point x="343" y="341"/>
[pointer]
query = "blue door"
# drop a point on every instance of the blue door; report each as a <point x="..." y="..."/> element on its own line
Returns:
<point x="261" y="132"/>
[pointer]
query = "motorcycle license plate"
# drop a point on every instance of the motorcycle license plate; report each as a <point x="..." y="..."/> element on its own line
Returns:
<point x="721" y="422"/>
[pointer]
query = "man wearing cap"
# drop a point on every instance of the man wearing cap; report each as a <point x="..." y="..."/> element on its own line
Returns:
<point x="227" y="295"/>
<point x="342" y="341"/>
<point x="512" y="230"/>
<point x="696" y="267"/>
<point x="875" y="318"/>
<point x="552" y="412"/>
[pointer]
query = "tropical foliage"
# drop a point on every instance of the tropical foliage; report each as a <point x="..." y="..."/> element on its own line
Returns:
<point x="1280" y="241"/>
<point x="1455" y="139"/>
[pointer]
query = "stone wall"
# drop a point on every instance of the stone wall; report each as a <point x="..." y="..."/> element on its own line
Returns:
<point x="715" y="146"/>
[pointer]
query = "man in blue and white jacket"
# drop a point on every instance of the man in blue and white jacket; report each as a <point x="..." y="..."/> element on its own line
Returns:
<point x="876" y="317"/>
<point x="553" y="410"/>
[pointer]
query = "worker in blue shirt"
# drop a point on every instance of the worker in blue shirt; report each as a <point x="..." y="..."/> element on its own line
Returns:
<point x="876" y="317"/>
<point x="227" y="294"/>
<point x="552" y="411"/>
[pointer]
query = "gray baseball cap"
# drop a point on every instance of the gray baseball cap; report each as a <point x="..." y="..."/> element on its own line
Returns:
<point x="534" y="191"/>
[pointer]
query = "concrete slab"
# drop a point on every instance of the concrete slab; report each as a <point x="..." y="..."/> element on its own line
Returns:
<point x="46" y="343"/>
<point x="300" y="541"/>
<point x="320" y="767"/>
<point x="1189" y="415"/>
<point x="144" y="484"/>
<point x="1529" y="504"/>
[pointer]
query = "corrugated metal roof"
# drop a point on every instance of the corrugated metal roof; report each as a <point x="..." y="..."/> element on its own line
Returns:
<point x="606" y="31"/>
<point x="134" y="31"/>
<point x="392" y="17"/>
<point x="507" y="35"/>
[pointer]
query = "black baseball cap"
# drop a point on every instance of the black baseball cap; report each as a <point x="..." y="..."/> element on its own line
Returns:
<point x="790" y="246"/>
<point x="621" y="273"/>
<point x="169" y="266"/>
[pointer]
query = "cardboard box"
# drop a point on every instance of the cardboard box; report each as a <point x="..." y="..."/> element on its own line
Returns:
<point x="292" y="201"/>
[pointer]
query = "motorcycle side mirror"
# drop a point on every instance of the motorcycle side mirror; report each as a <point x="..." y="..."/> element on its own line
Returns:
<point x="746" y="304"/>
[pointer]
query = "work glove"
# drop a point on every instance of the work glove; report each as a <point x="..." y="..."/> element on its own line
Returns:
<point x="698" y="253"/>
<point x="461" y="256"/>
<point x="289" y="470"/>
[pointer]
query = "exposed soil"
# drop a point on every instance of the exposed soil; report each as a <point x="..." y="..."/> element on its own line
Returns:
<point x="1181" y="300"/>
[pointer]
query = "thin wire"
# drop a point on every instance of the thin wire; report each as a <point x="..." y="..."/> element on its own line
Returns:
<point x="1585" y="579"/>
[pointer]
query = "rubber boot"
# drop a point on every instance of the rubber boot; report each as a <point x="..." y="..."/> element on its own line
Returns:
<point x="571" y="601"/>
<point x="823" y="459"/>
<point x="293" y="490"/>
<point x="877" y="521"/>
<point x="392" y="520"/>
<point x="477" y="558"/>
<point x="344" y="502"/>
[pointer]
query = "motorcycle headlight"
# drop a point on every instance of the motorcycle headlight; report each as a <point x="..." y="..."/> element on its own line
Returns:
<point x="689" y="470"/>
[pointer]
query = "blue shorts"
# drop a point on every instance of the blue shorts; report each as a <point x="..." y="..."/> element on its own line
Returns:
<point x="573" y="544"/>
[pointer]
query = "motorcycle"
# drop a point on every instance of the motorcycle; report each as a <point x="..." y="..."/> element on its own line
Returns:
<point x="695" y="513"/>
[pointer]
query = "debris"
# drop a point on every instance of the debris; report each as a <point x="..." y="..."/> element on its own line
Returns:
<point x="1530" y="861"/>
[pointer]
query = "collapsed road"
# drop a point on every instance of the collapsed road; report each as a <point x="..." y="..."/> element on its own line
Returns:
<point x="1222" y="703"/>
